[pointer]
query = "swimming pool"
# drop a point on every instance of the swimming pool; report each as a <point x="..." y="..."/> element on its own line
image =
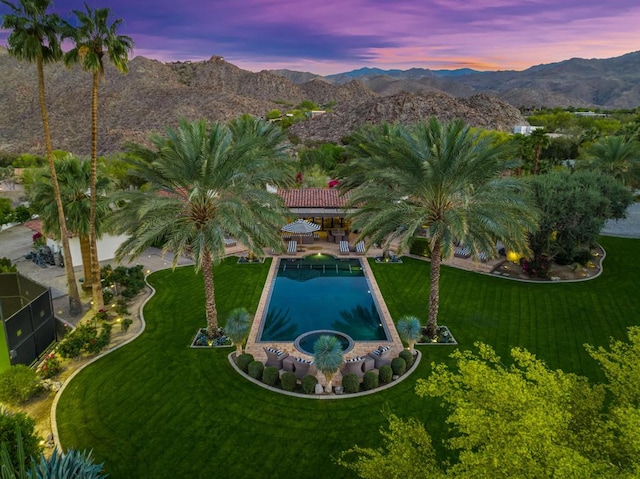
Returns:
<point x="321" y="292"/>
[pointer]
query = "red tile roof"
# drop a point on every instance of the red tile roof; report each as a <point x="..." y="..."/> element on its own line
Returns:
<point x="313" y="198"/>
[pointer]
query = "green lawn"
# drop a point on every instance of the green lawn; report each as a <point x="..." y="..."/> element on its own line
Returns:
<point x="156" y="408"/>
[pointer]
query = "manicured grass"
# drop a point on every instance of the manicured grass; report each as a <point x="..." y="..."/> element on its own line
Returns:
<point x="158" y="409"/>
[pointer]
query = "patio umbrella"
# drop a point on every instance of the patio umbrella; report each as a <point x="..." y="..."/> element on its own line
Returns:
<point x="300" y="227"/>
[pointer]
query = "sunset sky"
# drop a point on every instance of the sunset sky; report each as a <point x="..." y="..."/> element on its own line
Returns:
<point x="331" y="36"/>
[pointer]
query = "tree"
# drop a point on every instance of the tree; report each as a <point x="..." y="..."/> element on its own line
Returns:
<point x="93" y="38"/>
<point x="442" y="177"/>
<point x="520" y="420"/>
<point x="409" y="330"/>
<point x="538" y="140"/>
<point x="206" y="183"/>
<point x="574" y="209"/>
<point x="35" y="37"/>
<point x="615" y="156"/>
<point x="327" y="356"/>
<point x="237" y="327"/>
<point x="74" y="178"/>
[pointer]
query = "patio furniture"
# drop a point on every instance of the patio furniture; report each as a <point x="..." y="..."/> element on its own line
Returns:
<point x="299" y="366"/>
<point x="344" y="247"/>
<point x="462" y="253"/>
<point x="293" y="247"/>
<point x="275" y="357"/>
<point x="358" y="365"/>
<point x="360" y="247"/>
<point x="381" y="356"/>
<point x="229" y="242"/>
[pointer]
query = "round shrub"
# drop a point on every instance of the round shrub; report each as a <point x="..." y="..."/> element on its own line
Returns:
<point x="385" y="374"/>
<point x="18" y="384"/>
<point x="369" y="380"/>
<point x="408" y="358"/>
<point x="288" y="381"/>
<point x="8" y="435"/>
<point x="255" y="369"/>
<point x="398" y="366"/>
<point x="243" y="361"/>
<point x="309" y="384"/>
<point x="351" y="383"/>
<point x="270" y="376"/>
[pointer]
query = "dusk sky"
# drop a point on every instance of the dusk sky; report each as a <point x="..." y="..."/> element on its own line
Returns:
<point x="331" y="36"/>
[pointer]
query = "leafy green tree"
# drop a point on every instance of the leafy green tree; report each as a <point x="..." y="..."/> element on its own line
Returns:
<point x="206" y="183"/>
<point x="616" y="156"/>
<point x="441" y="177"/>
<point x="95" y="37"/>
<point x="328" y="357"/>
<point x="307" y="105"/>
<point x="6" y="211"/>
<point x="238" y="327"/>
<point x="34" y="37"/>
<point x="74" y="178"/>
<point x="574" y="209"/>
<point x="409" y="330"/>
<point x="327" y="156"/>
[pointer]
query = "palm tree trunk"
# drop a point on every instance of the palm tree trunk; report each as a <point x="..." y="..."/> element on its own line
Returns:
<point x="85" y="251"/>
<point x="75" y="307"/>
<point x="210" y="295"/>
<point x="434" y="290"/>
<point x="536" y="158"/>
<point x="96" y="283"/>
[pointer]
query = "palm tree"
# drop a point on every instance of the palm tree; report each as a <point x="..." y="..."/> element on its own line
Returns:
<point x="35" y="37"/>
<point x="93" y="38"/>
<point x="409" y="330"/>
<point x="616" y="156"/>
<point x="327" y="356"/>
<point x="204" y="184"/>
<point x="237" y="327"/>
<point x="74" y="177"/>
<point x="538" y="140"/>
<point x="442" y="177"/>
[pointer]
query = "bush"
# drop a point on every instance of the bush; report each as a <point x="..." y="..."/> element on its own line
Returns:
<point x="288" y="381"/>
<point x="420" y="247"/>
<point x="255" y="369"/>
<point x="94" y="346"/>
<point x="408" y="358"/>
<point x="398" y="366"/>
<point x="583" y="257"/>
<point x="18" y="384"/>
<point x="6" y="266"/>
<point x="9" y="423"/>
<point x="50" y="366"/>
<point x="351" y="383"/>
<point x="370" y="380"/>
<point x="243" y="361"/>
<point x="385" y="374"/>
<point x="85" y="338"/>
<point x="270" y="376"/>
<point x="309" y="384"/>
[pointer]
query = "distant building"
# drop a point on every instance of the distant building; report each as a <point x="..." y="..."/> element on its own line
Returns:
<point x="525" y="129"/>
<point x="590" y="114"/>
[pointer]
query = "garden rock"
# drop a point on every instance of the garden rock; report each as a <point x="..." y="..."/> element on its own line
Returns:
<point x="319" y="389"/>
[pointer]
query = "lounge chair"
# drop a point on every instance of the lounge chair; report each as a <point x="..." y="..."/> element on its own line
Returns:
<point x="344" y="247"/>
<point x="360" y="247"/>
<point x="381" y="356"/>
<point x="462" y="253"/>
<point x="229" y="242"/>
<point x="293" y="247"/>
<point x="275" y="357"/>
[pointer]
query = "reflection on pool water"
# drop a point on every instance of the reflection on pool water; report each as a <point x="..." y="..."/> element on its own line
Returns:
<point x="321" y="292"/>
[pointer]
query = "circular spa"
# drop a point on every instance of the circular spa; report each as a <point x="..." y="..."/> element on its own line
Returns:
<point x="304" y="343"/>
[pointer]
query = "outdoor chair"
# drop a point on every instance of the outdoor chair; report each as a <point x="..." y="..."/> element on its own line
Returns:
<point x="344" y="247"/>
<point x="300" y="367"/>
<point x="229" y="242"/>
<point x="381" y="356"/>
<point x="275" y="357"/>
<point x="293" y="247"/>
<point x="360" y="247"/>
<point x="358" y="365"/>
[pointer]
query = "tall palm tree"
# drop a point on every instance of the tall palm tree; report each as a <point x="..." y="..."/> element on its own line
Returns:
<point x="74" y="177"/>
<point x="94" y="37"/>
<point x="538" y="139"/>
<point x="328" y="357"/>
<point x="206" y="183"/>
<point x="442" y="177"/>
<point x="616" y="156"/>
<point x="35" y="38"/>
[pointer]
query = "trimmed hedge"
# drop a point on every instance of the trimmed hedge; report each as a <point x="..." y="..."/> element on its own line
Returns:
<point x="385" y="374"/>
<point x="408" y="357"/>
<point x="270" y="376"/>
<point x="309" y="384"/>
<point x="255" y="369"/>
<point x="370" y="380"/>
<point x="243" y="361"/>
<point x="351" y="383"/>
<point x="398" y="366"/>
<point x="288" y="381"/>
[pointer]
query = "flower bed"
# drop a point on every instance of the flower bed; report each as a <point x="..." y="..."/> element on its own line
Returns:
<point x="444" y="338"/>
<point x="202" y="340"/>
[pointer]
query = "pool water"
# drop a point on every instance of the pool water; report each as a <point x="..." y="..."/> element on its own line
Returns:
<point x="321" y="292"/>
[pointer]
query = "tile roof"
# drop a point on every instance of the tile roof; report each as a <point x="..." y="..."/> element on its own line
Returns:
<point x="313" y="198"/>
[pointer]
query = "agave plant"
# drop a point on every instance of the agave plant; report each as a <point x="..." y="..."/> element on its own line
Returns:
<point x="327" y="356"/>
<point x="409" y="330"/>
<point x="74" y="464"/>
<point x="237" y="328"/>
